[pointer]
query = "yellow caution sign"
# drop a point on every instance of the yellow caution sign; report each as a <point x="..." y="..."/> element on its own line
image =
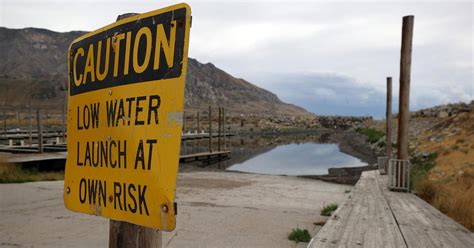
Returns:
<point x="126" y="97"/>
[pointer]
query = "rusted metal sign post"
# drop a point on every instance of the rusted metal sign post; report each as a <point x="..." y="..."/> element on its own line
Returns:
<point x="125" y="116"/>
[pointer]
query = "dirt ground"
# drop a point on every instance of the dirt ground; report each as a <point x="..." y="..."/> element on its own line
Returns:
<point x="215" y="209"/>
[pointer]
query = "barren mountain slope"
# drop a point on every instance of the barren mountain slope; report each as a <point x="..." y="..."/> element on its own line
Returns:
<point x="33" y="67"/>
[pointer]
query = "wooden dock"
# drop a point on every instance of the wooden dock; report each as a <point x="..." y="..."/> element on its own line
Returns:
<point x="374" y="216"/>
<point x="40" y="157"/>
<point x="204" y="156"/>
<point x="55" y="134"/>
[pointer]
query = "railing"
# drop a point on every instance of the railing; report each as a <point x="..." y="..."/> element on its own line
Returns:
<point x="383" y="165"/>
<point x="399" y="175"/>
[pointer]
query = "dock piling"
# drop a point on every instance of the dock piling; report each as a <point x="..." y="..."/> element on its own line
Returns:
<point x="210" y="129"/>
<point x="40" y="131"/>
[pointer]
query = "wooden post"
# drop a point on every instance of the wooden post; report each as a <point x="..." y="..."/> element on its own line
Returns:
<point x="198" y="120"/>
<point x="184" y="122"/>
<point x="210" y="129"/>
<point x="124" y="234"/>
<point x="388" y="130"/>
<point x="198" y="142"/>
<point x="404" y="97"/>
<point x="18" y="118"/>
<point x="127" y="235"/>
<point x="30" y="122"/>
<point x="219" y="130"/>
<point x="4" y="123"/>
<point x="223" y="127"/>
<point x="63" y="122"/>
<point x="40" y="131"/>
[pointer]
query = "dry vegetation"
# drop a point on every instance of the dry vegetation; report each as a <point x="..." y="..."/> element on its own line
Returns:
<point x="449" y="185"/>
<point x="10" y="173"/>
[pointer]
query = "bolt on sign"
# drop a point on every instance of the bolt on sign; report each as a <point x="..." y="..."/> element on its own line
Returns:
<point x="126" y="97"/>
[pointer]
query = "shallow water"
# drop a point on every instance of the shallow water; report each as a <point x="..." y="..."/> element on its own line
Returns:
<point x="298" y="159"/>
<point x="307" y="154"/>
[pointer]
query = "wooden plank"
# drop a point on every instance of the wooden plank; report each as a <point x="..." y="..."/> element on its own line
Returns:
<point x="204" y="154"/>
<point x="32" y="157"/>
<point x="363" y="220"/>
<point x="372" y="224"/>
<point x="373" y="216"/>
<point x="422" y="225"/>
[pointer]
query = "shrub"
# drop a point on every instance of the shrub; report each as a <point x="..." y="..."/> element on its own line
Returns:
<point x="372" y="135"/>
<point x="299" y="235"/>
<point x="10" y="173"/>
<point x="421" y="165"/>
<point x="327" y="210"/>
<point x="426" y="190"/>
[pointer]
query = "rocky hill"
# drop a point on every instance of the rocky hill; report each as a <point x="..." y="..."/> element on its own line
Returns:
<point x="33" y="68"/>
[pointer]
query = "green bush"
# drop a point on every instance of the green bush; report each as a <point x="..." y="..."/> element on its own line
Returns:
<point x="421" y="165"/>
<point x="327" y="210"/>
<point x="299" y="235"/>
<point x="372" y="135"/>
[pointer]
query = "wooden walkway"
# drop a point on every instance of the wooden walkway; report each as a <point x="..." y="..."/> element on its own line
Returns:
<point x="374" y="216"/>
<point x="47" y="156"/>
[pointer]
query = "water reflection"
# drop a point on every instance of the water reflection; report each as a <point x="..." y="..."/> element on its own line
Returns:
<point x="297" y="154"/>
<point x="298" y="159"/>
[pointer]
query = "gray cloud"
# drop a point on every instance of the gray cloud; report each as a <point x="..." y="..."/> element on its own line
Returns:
<point x="357" y="42"/>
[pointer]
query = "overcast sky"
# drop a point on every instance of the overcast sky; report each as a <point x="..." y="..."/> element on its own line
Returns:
<point x="329" y="57"/>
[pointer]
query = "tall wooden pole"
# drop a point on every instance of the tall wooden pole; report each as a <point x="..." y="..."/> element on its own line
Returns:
<point x="388" y="131"/>
<point x="40" y="131"/>
<point x="127" y="235"/>
<point x="210" y="129"/>
<point x="404" y="97"/>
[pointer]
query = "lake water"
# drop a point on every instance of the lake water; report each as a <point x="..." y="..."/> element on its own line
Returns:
<point x="298" y="159"/>
<point x="301" y="154"/>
